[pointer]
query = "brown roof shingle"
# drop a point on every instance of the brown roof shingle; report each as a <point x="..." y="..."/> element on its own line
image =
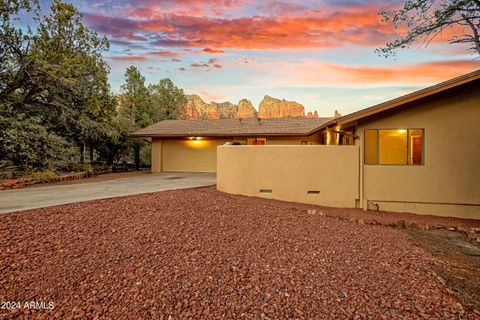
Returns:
<point x="232" y="127"/>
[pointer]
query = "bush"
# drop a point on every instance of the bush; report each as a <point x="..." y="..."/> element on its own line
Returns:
<point x="27" y="144"/>
<point x="81" y="167"/>
<point x="44" y="176"/>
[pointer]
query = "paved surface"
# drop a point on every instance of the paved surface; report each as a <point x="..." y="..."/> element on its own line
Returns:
<point x="23" y="199"/>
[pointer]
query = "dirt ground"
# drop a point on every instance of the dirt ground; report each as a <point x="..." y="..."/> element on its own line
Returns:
<point x="202" y="254"/>
<point x="458" y="267"/>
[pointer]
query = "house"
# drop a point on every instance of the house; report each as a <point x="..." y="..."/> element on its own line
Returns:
<point x="417" y="153"/>
<point x="191" y="145"/>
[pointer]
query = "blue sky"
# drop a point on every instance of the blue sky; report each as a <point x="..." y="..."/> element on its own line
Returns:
<point x="319" y="53"/>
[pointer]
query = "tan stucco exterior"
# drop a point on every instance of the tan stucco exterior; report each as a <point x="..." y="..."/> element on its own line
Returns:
<point x="156" y="155"/>
<point x="445" y="182"/>
<point x="290" y="172"/>
<point x="187" y="155"/>
<point x="448" y="183"/>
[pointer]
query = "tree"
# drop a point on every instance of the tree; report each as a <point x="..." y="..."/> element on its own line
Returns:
<point x="135" y="98"/>
<point x="141" y="106"/>
<point x="425" y="20"/>
<point x="77" y="92"/>
<point x="52" y="72"/>
<point x="166" y="100"/>
<point x="25" y="143"/>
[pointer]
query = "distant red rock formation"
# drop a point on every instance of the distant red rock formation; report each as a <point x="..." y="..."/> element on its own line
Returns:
<point x="312" y="115"/>
<point x="245" y="110"/>
<point x="191" y="112"/>
<point x="269" y="107"/>
<point x="274" y="108"/>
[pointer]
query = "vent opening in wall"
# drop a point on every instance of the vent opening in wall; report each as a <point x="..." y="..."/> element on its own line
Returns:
<point x="265" y="190"/>
<point x="313" y="192"/>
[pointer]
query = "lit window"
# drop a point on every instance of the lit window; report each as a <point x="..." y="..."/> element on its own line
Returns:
<point x="257" y="141"/>
<point x="394" y="146"/>
<point x="415" y="142"/>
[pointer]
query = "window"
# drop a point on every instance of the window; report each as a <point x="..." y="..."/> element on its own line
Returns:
<point x="394" y="146"/>
<point x="257" y="141"/>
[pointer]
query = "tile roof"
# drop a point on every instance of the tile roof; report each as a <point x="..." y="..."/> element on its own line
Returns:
<point x="232" y="127"/>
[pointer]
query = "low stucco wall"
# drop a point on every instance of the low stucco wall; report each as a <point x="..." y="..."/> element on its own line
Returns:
<point x="187" y="155"/>
<point x="290" y="172"/>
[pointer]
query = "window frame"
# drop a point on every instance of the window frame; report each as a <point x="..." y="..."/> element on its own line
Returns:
<point x="408" y="147"/>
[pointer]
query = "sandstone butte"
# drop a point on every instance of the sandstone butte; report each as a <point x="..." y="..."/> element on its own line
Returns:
<point x="269" y="107"/>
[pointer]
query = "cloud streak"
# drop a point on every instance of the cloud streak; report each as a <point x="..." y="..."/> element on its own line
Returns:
<point x="311" y="73"/>
<point x="318" y="29"/>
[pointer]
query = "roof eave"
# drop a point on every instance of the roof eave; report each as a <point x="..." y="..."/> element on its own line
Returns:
<point x="403" y="100"/>
<point x="140" y="135"/>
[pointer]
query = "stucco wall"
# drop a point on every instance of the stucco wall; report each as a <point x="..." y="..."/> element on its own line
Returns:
<point x="189" y="155"/>
<point x="156" y="155"/>
<point x="290" y="172"/>
<point x="449" y="182"/>
<point x="182" y="154"/>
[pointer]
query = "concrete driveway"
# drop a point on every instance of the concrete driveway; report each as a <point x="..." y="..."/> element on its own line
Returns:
<point x="32" y="198"/>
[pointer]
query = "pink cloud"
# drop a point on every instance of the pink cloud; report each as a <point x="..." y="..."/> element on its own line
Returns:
<point x="359" y="25"/>
<point x="212" y="51"/>
<point x="311" y="73"/>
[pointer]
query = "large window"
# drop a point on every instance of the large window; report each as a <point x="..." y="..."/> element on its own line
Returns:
<point x="394" y="146"/>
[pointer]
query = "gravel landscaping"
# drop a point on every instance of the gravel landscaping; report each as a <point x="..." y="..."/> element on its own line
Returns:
<point x="199" y="253"/>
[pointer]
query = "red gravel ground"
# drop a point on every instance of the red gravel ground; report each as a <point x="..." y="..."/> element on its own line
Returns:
<point x="200" y="253"/>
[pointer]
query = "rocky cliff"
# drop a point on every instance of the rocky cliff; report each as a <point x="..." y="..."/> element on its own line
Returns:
<point x="274" y="108"/>
<point x="245" y="110"/>
<point x="269" y="107"/>
<point x="226" y="110"/>
<point x="203" y="110"/>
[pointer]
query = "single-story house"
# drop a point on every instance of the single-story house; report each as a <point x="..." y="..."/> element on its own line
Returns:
<point x="417" y="153"/>
<point x="191" y="145"/>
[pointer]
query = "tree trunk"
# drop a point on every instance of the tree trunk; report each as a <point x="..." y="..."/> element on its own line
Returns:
<point x="137" y="156"/>
<point x="91" y="153"/>
<point x="82" y="153"/>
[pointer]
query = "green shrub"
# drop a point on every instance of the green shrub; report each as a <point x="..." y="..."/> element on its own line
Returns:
<point x="27" y="144"/>
<point x="81" y="167"/>
<point x="44" y="176"/>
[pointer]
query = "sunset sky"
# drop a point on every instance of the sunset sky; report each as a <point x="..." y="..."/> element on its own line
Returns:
<point x="319" y="53"/>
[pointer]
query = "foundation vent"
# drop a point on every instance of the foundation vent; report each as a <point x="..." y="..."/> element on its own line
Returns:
<point x="313" y="192"/>
<point x="265" y="190"/>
